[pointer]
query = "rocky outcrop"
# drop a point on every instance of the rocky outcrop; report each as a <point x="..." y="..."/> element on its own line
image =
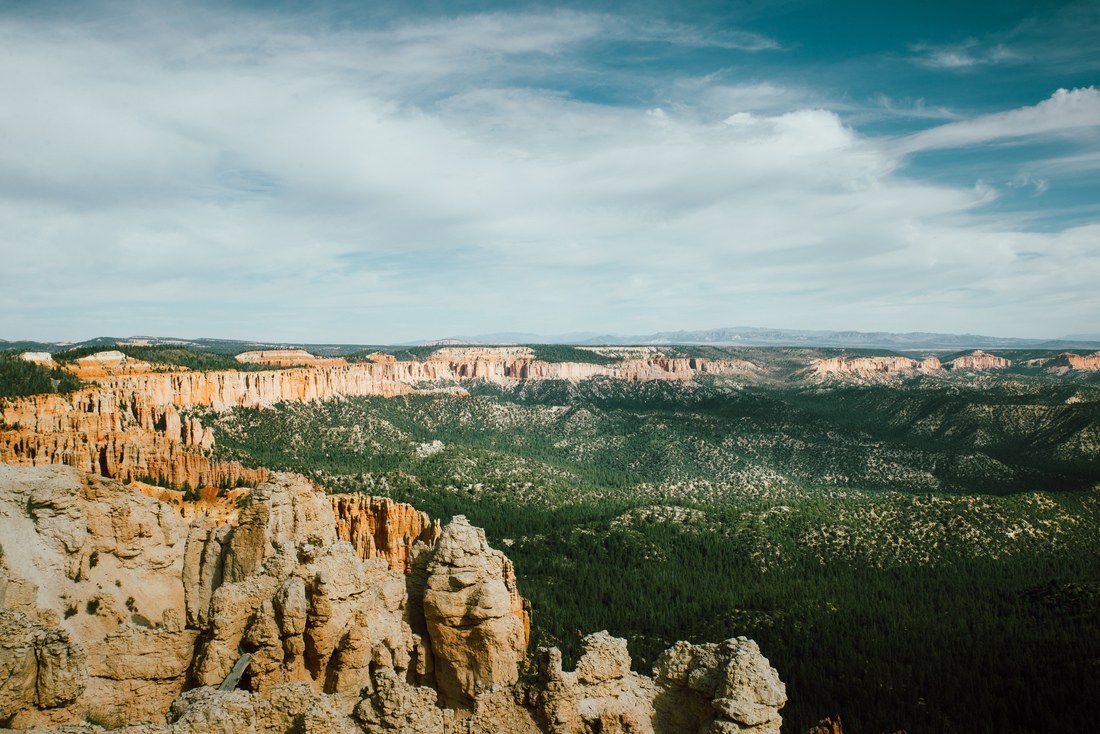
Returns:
<point x="130" y="454"/>
<point x="221" y="507"/>
<point x="120" y="434"/>
<point x="741" y="686"/>
<point x="602" y="694"/>
<point x="43" y="358"/>
<point x="99" y="567"/>
<point x="716" y="688"/>
<point x="40" y="667"/>
<point x="112" y="606"/>
<point x="1067" y="362"/>
<point x="378" y="527"/>
<point x="978" y="361"/>
<point x="871" y="368"/>
<point x="1082" y="361"/>
<point x="129" y="424"/>
<point x="303" y="605"/>
<point x="828" y="725"/>
<point x="107" y="364"/>
<point x="474" y="615"/>
<point x="287" y="358"/>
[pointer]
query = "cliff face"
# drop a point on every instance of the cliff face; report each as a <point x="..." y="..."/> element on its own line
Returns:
<point x="979" y="360"/>
<point x="378" y="527"/>
<point x="107" y="364"/>
<point x="117" y="611"/>
<point x="287" y="358"/>
<point x="121" y="433"/>
<point x="1083" y="362"/>
<point x="128" y="424"/>
<point x="1067" y="362"/>
<point x="871" y="368"/>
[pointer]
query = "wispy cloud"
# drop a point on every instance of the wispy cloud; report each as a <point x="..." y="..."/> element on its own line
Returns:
<point x="1024" y="181"/>
<point x="1060" y="37"/>
<point x="1066" y="112"/>
<point x="962" y="56"/>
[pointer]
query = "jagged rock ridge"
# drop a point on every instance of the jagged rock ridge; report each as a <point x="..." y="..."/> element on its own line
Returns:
<point x="129" y="424"/>
<point x="338" y="643"/>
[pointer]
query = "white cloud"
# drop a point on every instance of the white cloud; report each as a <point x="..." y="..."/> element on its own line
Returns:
<point x="962" y="56"/>
<point x="241" y="176"/>
<point x="1073" y="111"/>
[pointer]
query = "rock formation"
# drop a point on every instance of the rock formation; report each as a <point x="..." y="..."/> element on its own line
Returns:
<point x="1067" y="362"/>
<point x="107" y="364"/>
<point x="829" y="725"/>
<point x="117" y="612"/>
<point x="602" y="694"/>
<point x="474" y="616"/>
<point x="1082" y="361"/>
<point x="872" y="368"/>
<point x="129" y="425"/>
<point x="97" y="569"/>
<point x="979" y="360"/>
<point x="303" y="605"/>
<point x="743" y="690"/>
<point x="378" y="527"/>
<point x="43" y="358"/>
<point x="717" y="688"/>
<point x="287" y="358"/>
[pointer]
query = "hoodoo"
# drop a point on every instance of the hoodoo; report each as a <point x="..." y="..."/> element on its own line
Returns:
<point x="356" y="615"/>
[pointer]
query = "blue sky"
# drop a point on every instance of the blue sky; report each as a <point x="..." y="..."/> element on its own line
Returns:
<point x="372" y="172"/>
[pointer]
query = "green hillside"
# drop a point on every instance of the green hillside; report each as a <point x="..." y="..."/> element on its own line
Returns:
<point x="920" y="556"/>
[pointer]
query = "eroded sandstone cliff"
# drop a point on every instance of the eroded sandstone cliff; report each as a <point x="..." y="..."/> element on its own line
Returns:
<point x="871" y="369"/>
<point x="979" y="360"/>
<point x="1066" y="362"/>
<point x="116" y="611"/>
<point x="128" y="425"/>
<point x="287" y="358"/>
<point x="378" y="527"/>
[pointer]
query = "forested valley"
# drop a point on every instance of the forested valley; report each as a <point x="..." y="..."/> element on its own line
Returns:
<point x="917" y="557"/>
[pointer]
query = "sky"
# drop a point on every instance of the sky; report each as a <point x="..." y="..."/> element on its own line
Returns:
<point x="383" y="172"/>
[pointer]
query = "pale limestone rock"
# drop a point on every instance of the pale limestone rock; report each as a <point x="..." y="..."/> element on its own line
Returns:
<point x="477" y="638"/>
<point x="499" y="711"/>
<point x="304" y="605"/>
<point x="136" y="672"/>
<point x="40" y="666"/>
<point x="290" y="607"/>
<point x="18" y="665"/>
<point x="743" y="688"/>
<point x="601" y="695"/>
<point x="61" y="668"/>
<point x="291" y="708"/>
<point x="979" y="360"/>
<point x="202" y="567"/>
<point x="396" y="706"/>
<point x="210" y="711"/>
<point x="325" y="717"/>
<point x="110" y="560"/>
<point x="329" y="633"/>
<point x="605" y="658"/>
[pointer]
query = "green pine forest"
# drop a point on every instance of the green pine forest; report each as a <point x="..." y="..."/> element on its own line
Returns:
<point x="919" y="557"/>
<point x="19" y="377"/>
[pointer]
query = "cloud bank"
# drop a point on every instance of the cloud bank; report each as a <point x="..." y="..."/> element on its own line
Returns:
<point x="232" y="174"/>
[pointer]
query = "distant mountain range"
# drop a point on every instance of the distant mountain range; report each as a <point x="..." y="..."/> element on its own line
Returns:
<point x="752" y="336"/>
<point x="745" y="336"/>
